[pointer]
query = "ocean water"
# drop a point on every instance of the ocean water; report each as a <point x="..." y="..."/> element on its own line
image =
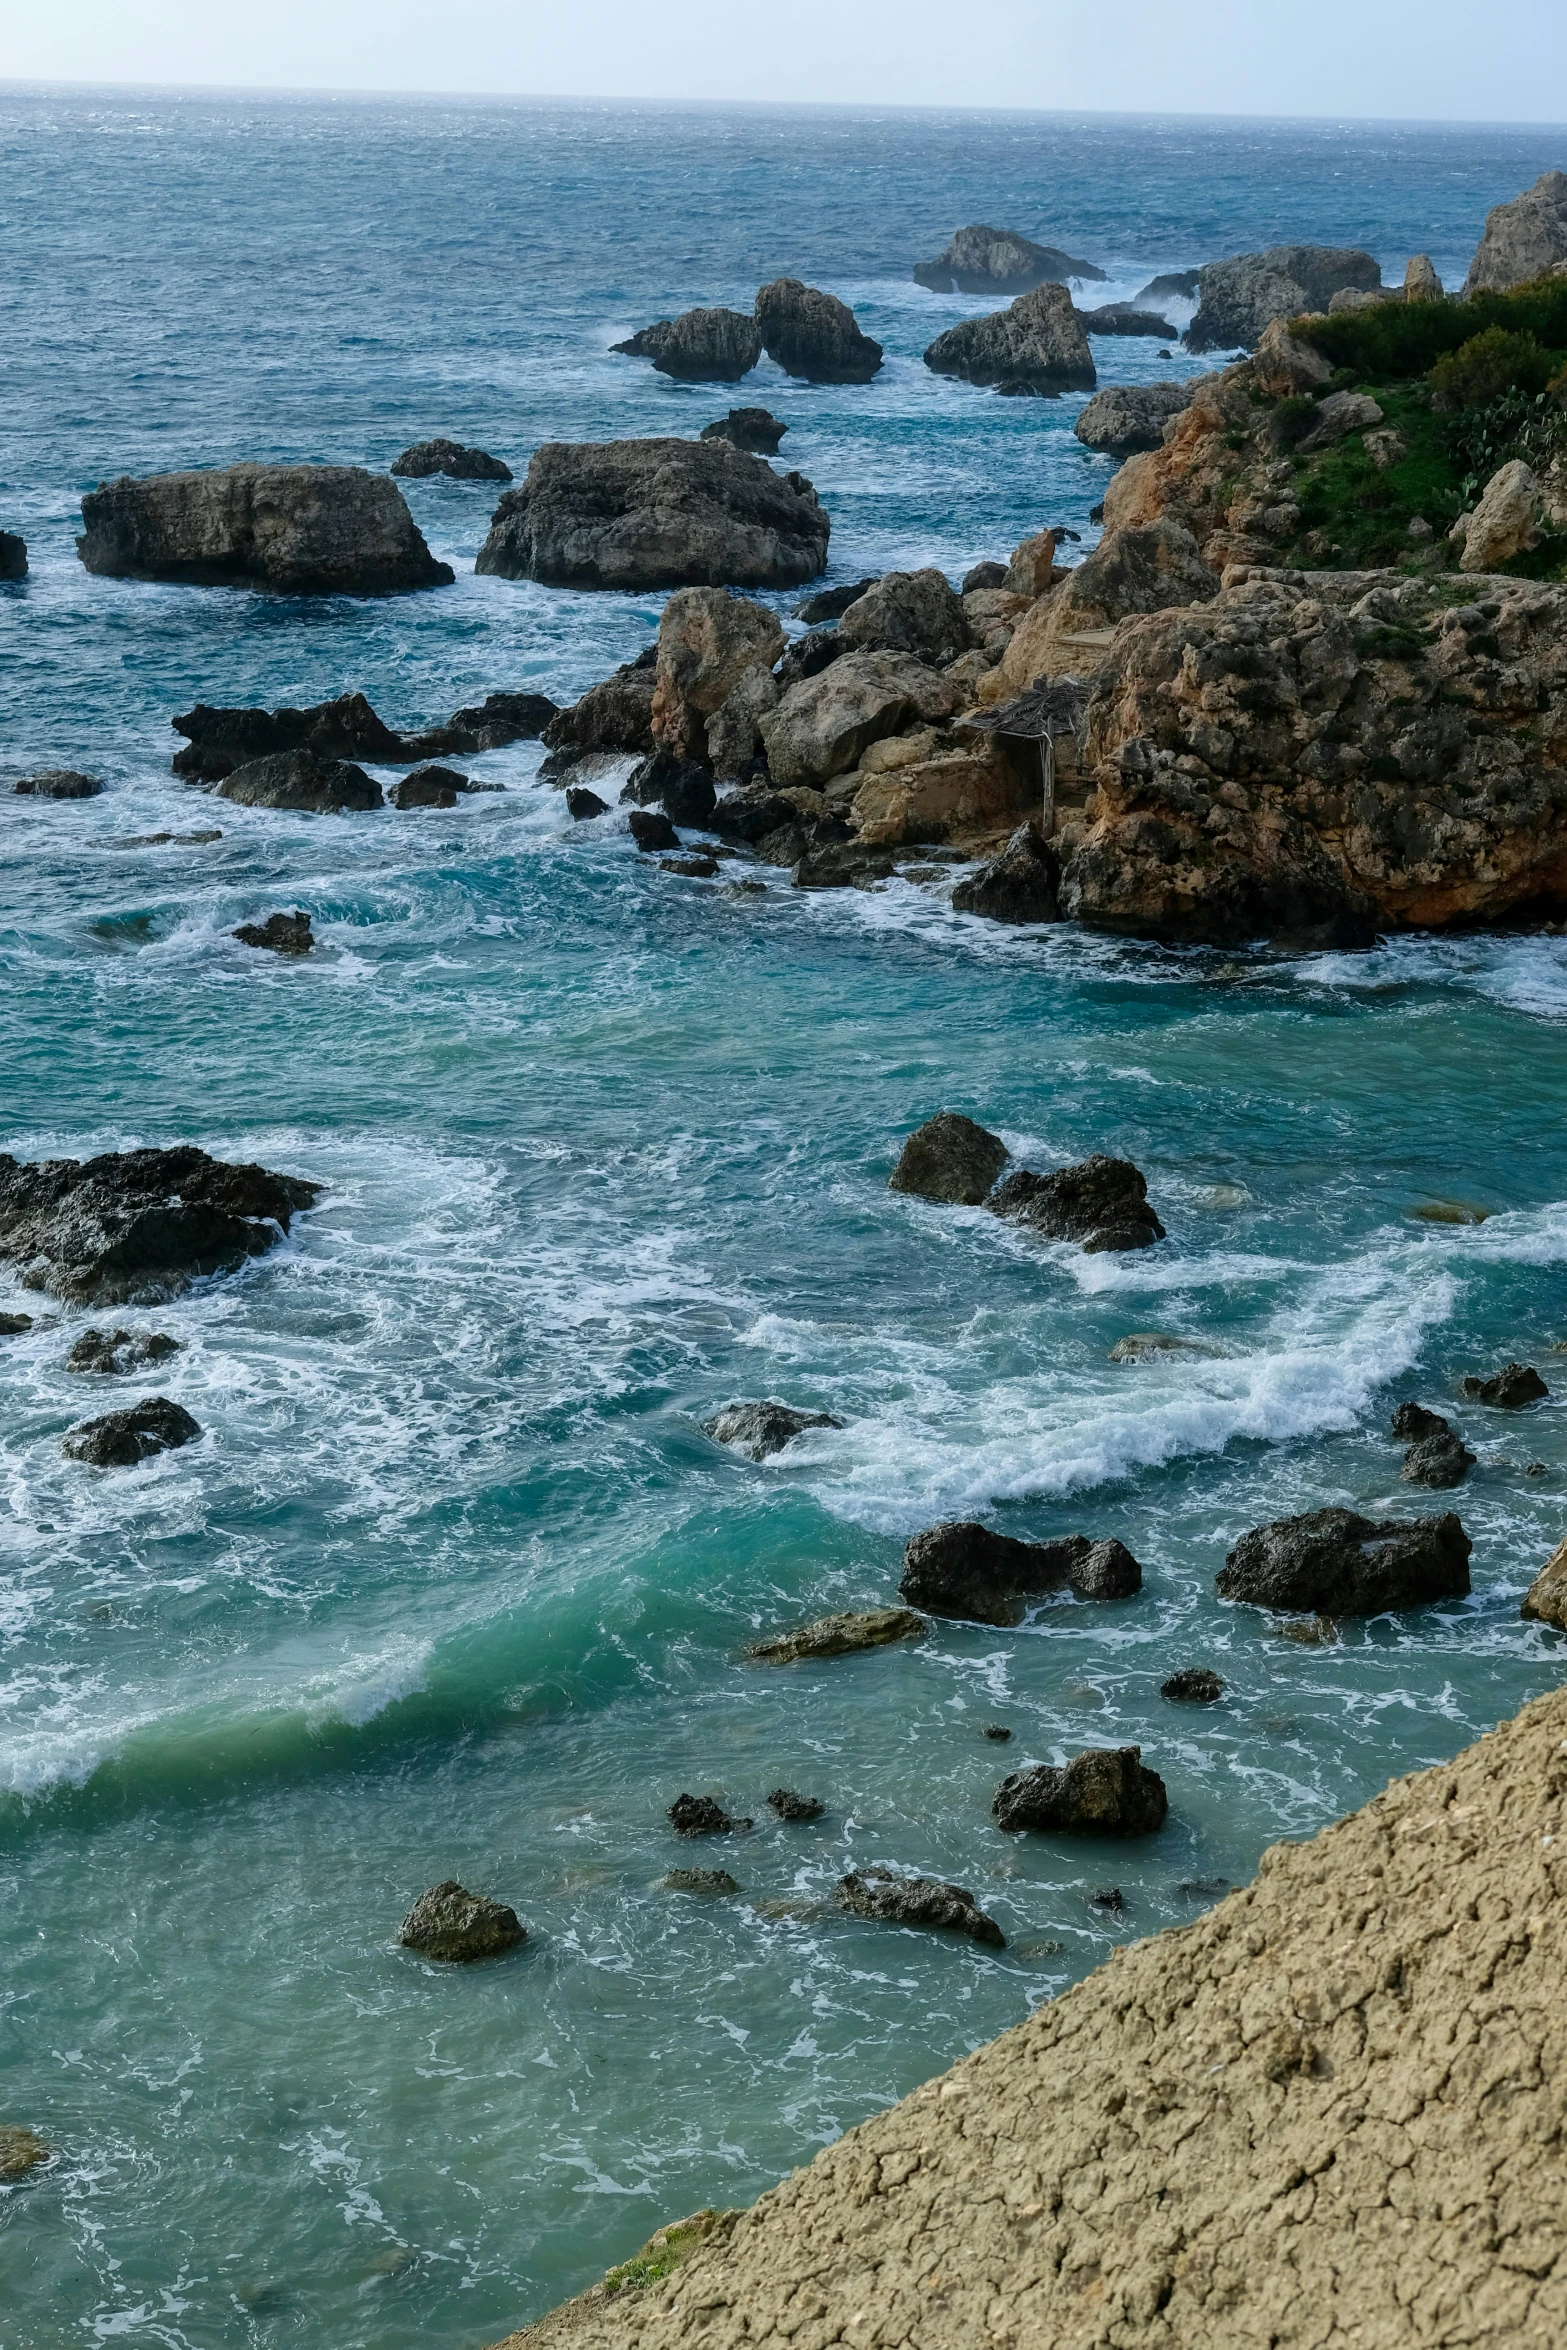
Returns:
<point x="453" y="1584"/>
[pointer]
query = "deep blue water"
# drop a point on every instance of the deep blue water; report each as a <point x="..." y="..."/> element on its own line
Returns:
<point x="453" y="1584"/>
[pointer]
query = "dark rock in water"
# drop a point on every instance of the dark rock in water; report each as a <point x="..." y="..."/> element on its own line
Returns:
<point x="809" y="655"/>
<point x="448" y="1922"/>
<point x="111" y="1353"/>
<point x="489" y="725"/>
<point x="691" y="868"/>
<point x="963" y="1569"/>
<point x="982" y="260"/>
<point x="752" y="815"/>
<point x="713" y="1882"/>
<point x="1509" y="1390"/>
<point x="984" y="575"/>
<point x="301" y="530"/>
<point x="13" y="555"/>
<point x="1238" y="297"/>
<point x="1036" y="346"/>
<point x="1101" y="1202"/>
<point x="832" y="603"/>
<point x="840" y="864"/>
<point x="752" y="429"/>
<point x="647" y="342"/>
<point x="813" y="335"/>
<point x="1438" y="1461"/>
<point x="58" y="783"/>
<point x="762" y="1428"/>
<point x="429" y="787"/>
<point x="582" y="804"/>
<point x="916" y="1901"/>
<point x="1176" y="285"/>
<point x="652" y="830"/>
<point x="21" y="2150"/>
<point x="656" y="514"/>
<point x="1018" y="886"/>
<point x="949" y="1159"/>
<point x="1412" y="1421"/>
<point x="1193" y="1685"/>
<point x="1124" y="318"/>
<point x="848" y="1634"/>
<point x="614" y="715"/>
<point x="280" y="934"/>
<point x="14" y="1325"/>
<point x="303" y="782"/>
<point x="683" y="788"/>
<point x="699" y="1815"/>
<point x="134" y="1226"/>
<point x="998" y="1733"/>
<point x="1106" y="1792"/>
<point x="121" y="1439"/>
<point x="451" y="459"/>
<point x="1335" y="1563"/>
<point x="219" y="740"/>
<point x="1124" y="418"/>
<point x="699" y="347"/>
<point x="795" y="1808"/>
<point x="1108" y="1897"/>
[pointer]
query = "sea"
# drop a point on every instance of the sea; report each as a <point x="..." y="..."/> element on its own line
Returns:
<point x="453" y="1584"/>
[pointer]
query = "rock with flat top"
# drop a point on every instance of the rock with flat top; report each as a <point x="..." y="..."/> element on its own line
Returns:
<point x="1509" y="1389"/>
<point x="980" y="260"/>
<point x="1036" y="346"/>
<point x="1334" y="1562"/>
<point x="58" y="783"/>
<point x="299" y="530"/>
<point x="813" y="335"/>
<point x="1523" y="239"/>
<point x="430" y="787"/>
<point x="881" y="1894"/>
<point x="1545" y="1601"/>
<point x="1109" y="1791"/>
<point x="822" y="725"/>
<point x="304" y="782"/>
<point x="759" y="1429"/>
<point x="1102" y="1203"/>
<point x="1237" y="298"/>
<point x="963" y="1569"/>
<point x="848" y="1633"/>
<point x="1018" y="886"/>
<point x="452" y="1924"/>
<point x="754" y="429"/>
<point x="949" y="1159"/>
<point x="451" y="459"/>
<point x="122" y="1440"/>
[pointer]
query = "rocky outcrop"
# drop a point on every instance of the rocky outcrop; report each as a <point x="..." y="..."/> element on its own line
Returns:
<point x="1175" y="285"/>
<point x="582" y="805"/>
<point x="1437" y="1455"/>
<point x="794" y="1809"/>
<point x="58" y="783"/>
<point x="1124" y="318"/>
<point x="907" y="612"/>
<point x="303" y="782"/>
<point x="21" y="2150"/>
<point x="814" y="336"/>
<point x="1109" y="1791"/>
<point x="656" y="514"/>
<point x="1505" y="523"/>
<point x="700" y="346"/>
<point x="981" y="260"/>
<point x="458" y="1927"/>
<point x="879" y="1893"/>
<point x="1036" y="346"/>
<point x="1522" y="239"/>
<point x="1507" y="1390"/>
<point x="1124" y="418"/>
<point x="614" y="715"/>
<point x="747" y="428"/>
<point x="1154" y="567"/>
<point x="1193" y="1685"/>
<point x="708" y="642"/>
<point x="951" y="1160"/>
<point x="759" y="1429"/>
<point x="1237" y="298"/>
<point x="299" y="530"/>
<point x="832" y="603"/>
<point x="451" y="459"/>
<point x="434" y="787"/>
<point x="1102" y="1203"/>
<point x="1545" y="1601"/>
<point x="963" y="1569"/>
<point x="110" y="1354"/>
<point x="280" y="934"/>
<point x="699" y="1815"/>
<point x="122" y="1440"/>
<point x="683" y="788"/>
<point x="219" y="740"/>
<point x="13" y="555"/>
<point x="849" y="1633"/>
<point x="821" y="726"/>
<point x="1335" y="1563"/>
<point x="135" y="1226"/>
<point x="1018" y="886"/>
<point x="652" y="831"/>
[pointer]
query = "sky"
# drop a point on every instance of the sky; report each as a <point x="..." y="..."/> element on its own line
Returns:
<point x="1442" y="60"/>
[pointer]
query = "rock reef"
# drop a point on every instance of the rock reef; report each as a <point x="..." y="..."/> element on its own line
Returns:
<point x="132" y="1227"/>
<point x="980" y="260"/>
<point x="813" y="335"/>
<point x="1237" y="298"/>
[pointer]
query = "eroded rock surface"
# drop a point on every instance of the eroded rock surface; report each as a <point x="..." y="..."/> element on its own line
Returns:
<point x="135" y="1226"/>
<point x="280" y="934"/>
<point x="1124" y="418"/>
<point x="699" y="1815"/>
<point x="1035" y="346"/>
<point x="1101" y="1203"/>
<point x="1334" y="1562"/>
<point x="1522" y="239"/>
<point x="845" y="1634"/>
<point x="450" y="1923"/>
<point x="1237" y="298"/>
<point x="712" y="346"/>
<point x="979" y="260"/>
<point x="303" y="782"/>
<point x="1507" y="1390"/>
<point x="963" y="1569"/>
<point x="1545" y="1601"/>
<point x="13" y="555"/>
<point x="112" y="1353"/>
<point x="300" y="530"/>
<point x="814" y="336"/>
<point x="1108" y="1791"/>
<point x="907" y="612"/>
<point x="793" y="1808"/>
<point x="124" y="1439"/>
<point x="949" y="1159"/>
<point x="754" y="429"/>
<point x="758" y="1429"/>
<point x="822" y="725"/>
<point x="21" y="2150"/>
<point x="1018" y="886"/>
<point x="892" y="1900"/>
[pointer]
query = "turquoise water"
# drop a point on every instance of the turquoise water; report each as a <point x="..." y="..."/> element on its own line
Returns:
<point x="453" y="1584"/>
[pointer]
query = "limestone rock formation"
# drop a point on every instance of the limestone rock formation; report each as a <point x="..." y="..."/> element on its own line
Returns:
<point x="1124" y="318"/>
<point x="280" y="934"/>
<point x="1155" y="567"/>
<point x="1545" y="1601"/>
<point x="614" y="715"/>
<point x="822" y="725"/>
<point x="656" y="513"/>
<point x="700" y="346"/>
<point x="963" y="1569"/>
<point x="1018" y="886"/>
<point x="848" y="1633"/>
<point x="110" y="1354"/>
<point x="814" y="336"/>
<point x="13" y="555"/>
<point x="132" y="1227"/>
<point x="747" y="428"/>
<point x="1237" y="298"/>
<point x="1101" y="1203"/>
<point x="1505" y="522"/>
<point x="457" y="1926"/>
<point x="980" y="260"/>
<point x="1522" y="239"/>
<point x="1509" y="1389"/>
<point x="304" y="782"/>
<point x="1036" y="346"/>
<point x="894" y="1900"/>
<point x="734" y="731"/>
<point x="1335" y="1563"/>
<point x="434" y="787"/>
<point x="949" y="1159"/>
<point x="451" y="459"/>
<point x="1124" y="418"/>
<point x="907" y="612"/>
<point x="58" y="783"/>
<point x="124" y="1439"/>
<point x="708" y="641"/>
<point x="299" y="530"/>
<point x="759" y="1429"/>
<point x="1109" y="1791"/>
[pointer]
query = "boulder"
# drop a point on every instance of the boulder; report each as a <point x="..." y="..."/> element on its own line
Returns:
<point x="808" y="656"/>
<point x="707" y="641"/>
<point x="582" y="804"/>
<point x="1176" y="285"/>
<point x="1106" y="1792"/>
<point x="832" y="603"/>
<point x="758" y="1429"/>
<point x="793" y="1808"/>
<point x="1124" y="318"/>
<point x="700" y="346"/>
<point x="430" y="787"/>
<point x="135" y="1226"/>
<point x="304" y="782"/>
<point x="1523" y="239"/>
<point x="1237" y="298"/>
<point x="452" y="1924"/>
<point x="219" y="740"/>
<point x="839" y="864"/>
<point x="981" y="260"/>
<point x="1509" y="1389"/>
<point x="654" y="514"/>
<point x="907" y="612"/>
<point x="752" y="815"/>
<point x="1193" y="1685"/>
<point x="21" y="2150"/>
<point x="891" y="1900"/>
<point x="1411" y="1422"/>
<point x="1440" y="1460"/>
<point x="712" y="1883"/>
<point x="489" y="725"/>
<point x="1032" y="569"/>
<point x="58" y="783"/>
<point x="734" y="731"/>
<point x="1421" y="283"/>
<point x="982" y="576"/>
<point x="1101" y="1203"/>
<point x="300" y="530"/>
<point x="111" y="1353"/>
<point x="13" y="555"/>
<point x="1151" y="567"/>
<point x="845" y="1634"/>
<point x="697" y="868"/>
<point x="451" y="459"/>
<point x="752" y="429"/>
<point x="814" y="336"/>
<point x="652" y="831"/>
<point x="699" y="1815"/>
<point x="1285" y="365"/>
<point x="823" y="724"/>
<point x="1505" y="522"/>
<point x="1339" y="414"/>
<point x="997" y="1732"/>
<point x="1036" y="346"/>
<point x="614" y="715"/>
<point x="280" y="934"/>
<point x="683" y="788"/>
<point x="1545" y="1601"/>
<point x="949" y="1159"/>
<point x="1018" y="886"/>
<point x="963" y="1569"/>
<point x="1335" y="1563"/>
<point x="15" y="1325"/>
<point x="120" y="1440"/>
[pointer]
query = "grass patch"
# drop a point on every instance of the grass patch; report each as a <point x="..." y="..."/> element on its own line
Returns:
<point x="1365" y="510"/>
<point x="662" y="2254"/>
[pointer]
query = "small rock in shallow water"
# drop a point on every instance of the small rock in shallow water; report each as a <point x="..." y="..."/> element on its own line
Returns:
<point x="302" y="782"/>
<point x="1511" y="1388"/>
<point x="1440" y="1460"/>
<point x="949" y="1159"/>
<point x="111" y="1353"/>
<point x="758" y="1429"/>
<point x="1536" y="1469"/>
<point x="1193" y="1685"/>
<point x="1310" y="1632"/>
<point x="21" y="2150"/>
<point x="963" y="1569"/>
<point x="13" y="1325"/>
<point x="1106" y="1792"/>
<point x="1019" y="886"/>
<point x="430" y="787"/>
<point x="1147" y="1346"/>
<point x="59" y="783"/>
<point x="651" y="830"/>
<point x="709" y="1881"/>
<point x="998" y="1732"/>
<point x="745" y="889"/>
<point x="916" y="1901"/>
<point x="280" y="934"/>
<point x="795" y="1808"/>
<point x="120" y="1440"/>
<point x="1108" y="1897"/>
<point x="699" y="1815"/>
<point x="1102" y="1203"/>
<point x="1449" y="1211"/>
<point x="846" y="1634"/>
<point x="582" y="804"/>
<point x="691" y="868"/>
<point x="450" y="1923"/>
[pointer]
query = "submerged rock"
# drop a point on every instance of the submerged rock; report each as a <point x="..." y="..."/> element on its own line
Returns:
<point x="21" y="2150"/>
<point x="794" y="1808"/>
<point x="1545" y="1601"/>
<point x="1193" y="1685"/>
<point x="1036" y="346"/>
<point x="450" y="1923"/>
<point x="1106" y="1792"/>
<point x="134" y="1226"/>
<point x="846" y="1634"/>
<point x="303" y="782"/>
<point x="752" y="429"/>
<point x="714" y="1883"/>
<point x="1018" y="886"/>
<point x="111" y="1353"/>
<point x="980" y="260"/>
<point x="758" y="1429"/>
<point x="300" y="530"/>
<point x="691" y="868"/>
<point x="1237" y="298"/>
<point x="280" y="934"/>
<point x="951" y="1160"/>
<point x="120" y="1440"/>
<point x="963" y="1569"/>
<point x="58" y="783"/>
<point x="1124" y="418"/>
<point x="1335" y="1563"/>
<point x="916" y="1901"/>
<point x="1102" y="1202"/>
<point x="699" y="1815"/>
<point x="1510" y="1388"/>
<point x="1151" y="1346"/>
<point x="451" y="459"/>
<point x="813" y="335"/>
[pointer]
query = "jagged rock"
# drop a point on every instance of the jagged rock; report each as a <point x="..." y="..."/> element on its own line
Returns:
<point x="707" y="641"/>
<point x="1193" y="1685"/>
<point x="892" y="1900"/>
<point x="220" y="740"/>
<point x="301" y="530"/>
<point x="840" y="864"/>
<point x="430" y="787"/>
<point x="982" y="260"/>
<point x="647" y="342"/>
<point x="58" y="783"/>
<point x="614" y="715"/>
<point x="822" y="725"/>
<point x="302" y="781"/>
<point x="132" y="1227"/>
<point x="1018" y="886"/>
<point x="13" y="555"/>
<point x="451" y="459"/>
<point x="21" y="2150"/>
<point x="1509" y="1390"/>
<point x="121" y="1440"/>
<point x="698" y="868"/>
<point x="656" y="513"/>
<point x="1147" y="1346"/>
<point x="1335" y="1563"/>
<point x="652" y="831"/>
<point x="845" y="1634"/>
<point x="1031" y="570"/>
<point x="808" y="656"/>
<point x="1439" y="1460"/>
<point x="699" y="1815"/>
<point x="907" y="612"/>
<point x="1522" y="239"/>
<point x="758" y="1429"/>
<point x="1362" y="298"/>
<point x="1411" y="1422"/>
<point x="1154" y="567"/>
<point x="1176" y="285"/>
<point x="112" y="1353"/>
<point x="1340" y="413"/>
<point x="452" y="1924"/>
<point x="832" y="603"/>
<point x="748" y="428"/>
<point x="710" y="1882"/>
<point x="752" y="815"/>
<point x="683" y="788"/>
<point x="814" y="336"/>
<point x="1505" y="522"/>
<point x="15" y="1325"/>
<point x="734" y="731"/>
<point x="1108" y="1791"/>
<point x="949" y="1159"/>
<point x="700" y="346"/>
<point x="1101" y="1202"/>
<point x="489" y="725"/>
<point x="1237" y="298"/>
<point x="1124" y="318"/>
<point x="963" y="1569"/>
<point x="1545" y="1601"/>
<point x="1421" y="283"/>
<point x="796" y="1809"/>
<point x="1036" y="346"/>
<point x="582" y="804"/>
<point x="280" y="934"/>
